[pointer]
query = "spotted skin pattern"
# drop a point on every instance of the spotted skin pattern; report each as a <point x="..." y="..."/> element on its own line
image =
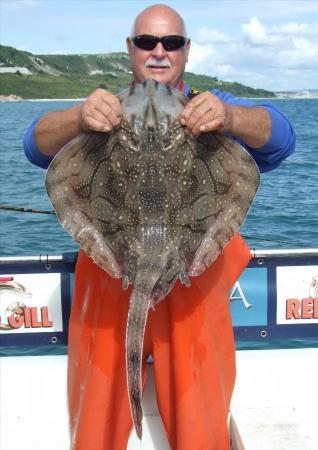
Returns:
<point x="150" y="204"/>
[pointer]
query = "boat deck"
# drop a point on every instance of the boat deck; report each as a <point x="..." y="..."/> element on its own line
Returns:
<point x="274" y="407"/>
<point x="274" y="307"/>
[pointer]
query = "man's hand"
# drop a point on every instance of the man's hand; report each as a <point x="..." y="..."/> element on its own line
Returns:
<point x="205" y="113"/>
<point x="100" y="112"/>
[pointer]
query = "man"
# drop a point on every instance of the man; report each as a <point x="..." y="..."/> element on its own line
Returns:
<point x="190" y="333"/>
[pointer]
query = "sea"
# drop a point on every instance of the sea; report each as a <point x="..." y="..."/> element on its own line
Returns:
<point x="284" y="213"/>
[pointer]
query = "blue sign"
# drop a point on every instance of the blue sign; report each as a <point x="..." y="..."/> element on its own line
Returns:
<point x="249" y="299"/>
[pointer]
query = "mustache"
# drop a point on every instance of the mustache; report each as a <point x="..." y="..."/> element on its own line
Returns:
<point x="157" y="62"/>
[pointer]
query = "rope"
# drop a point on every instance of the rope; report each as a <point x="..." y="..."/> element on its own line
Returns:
<point x="29" y="210"/>
<point x="299" y="245"/>
<point x="245" y="236"/>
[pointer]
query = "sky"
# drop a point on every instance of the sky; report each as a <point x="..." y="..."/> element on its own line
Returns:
<point x="270" y="44"/>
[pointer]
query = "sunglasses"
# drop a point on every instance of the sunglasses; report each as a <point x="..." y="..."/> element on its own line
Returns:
<point x="149" y="42"/>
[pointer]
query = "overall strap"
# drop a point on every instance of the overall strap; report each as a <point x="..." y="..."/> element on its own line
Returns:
<point x="193" y="93"/>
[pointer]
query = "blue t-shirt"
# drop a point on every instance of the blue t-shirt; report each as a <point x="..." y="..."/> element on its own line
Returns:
<point x="279" y="146"/>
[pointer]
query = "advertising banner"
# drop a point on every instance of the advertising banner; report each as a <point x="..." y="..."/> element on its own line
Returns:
<point x="30" y="303"/>
<point x="273" y="303"/>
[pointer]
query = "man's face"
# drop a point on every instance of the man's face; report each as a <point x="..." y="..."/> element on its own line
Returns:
<point x="164" y="66"/>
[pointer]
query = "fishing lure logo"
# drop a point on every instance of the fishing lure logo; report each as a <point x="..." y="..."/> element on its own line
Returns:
<point x="297" y="294"/>
<point x="16" y="314"/>
<point x="306" y="308"/>
<point x="313" y="288"/>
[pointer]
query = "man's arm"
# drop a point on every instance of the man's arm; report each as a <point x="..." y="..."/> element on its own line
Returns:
<point x="100" y="112"/>
<point x="56" y="128"/>
<point x="206" y="113"/>
<point x="262" y="129"/>
<point x="251" y="125"/>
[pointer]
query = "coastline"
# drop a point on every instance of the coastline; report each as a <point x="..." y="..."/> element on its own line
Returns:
<point x="312" y="97"/>
<point x="309" y="97"/>
<point x="10" y="98"/>
<point x="53" y="99"/>
<point x="16" y="98"/>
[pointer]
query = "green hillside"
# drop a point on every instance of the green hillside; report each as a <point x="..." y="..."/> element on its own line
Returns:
<point x="76" y="76"/>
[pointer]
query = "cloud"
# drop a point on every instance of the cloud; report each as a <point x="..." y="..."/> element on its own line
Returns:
<point x="14" y="5"/>
<point x="59" y="52"/>
<point x="207" y="35"/>
<point x="256" y="32"/>
<point x="201" y="56"/>
<point x="292" y="28"/>
<point x="22" y="48"/>
<point x="260" y="56"/>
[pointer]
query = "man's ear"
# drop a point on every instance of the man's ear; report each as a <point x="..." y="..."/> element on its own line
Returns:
<point x="187" y="49"/>
<point x="129" y="44"/>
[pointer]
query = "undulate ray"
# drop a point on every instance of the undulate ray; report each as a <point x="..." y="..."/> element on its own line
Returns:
<point x="150" y="204"/>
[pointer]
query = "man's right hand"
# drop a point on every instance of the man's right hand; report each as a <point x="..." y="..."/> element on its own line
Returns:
<point x="100" y="112"/>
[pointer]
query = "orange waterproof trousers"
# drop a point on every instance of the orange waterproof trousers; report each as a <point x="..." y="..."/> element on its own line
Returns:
<point x="190" y="337"/>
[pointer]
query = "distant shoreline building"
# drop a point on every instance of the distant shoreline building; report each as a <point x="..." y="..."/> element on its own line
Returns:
<point x="305" y="93"/>
<point x="22" y="70"/>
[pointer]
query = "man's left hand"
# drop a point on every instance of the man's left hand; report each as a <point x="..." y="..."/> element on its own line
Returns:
<point x="205" y="113"/>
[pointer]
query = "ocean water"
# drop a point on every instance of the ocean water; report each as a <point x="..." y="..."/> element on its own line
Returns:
<point x="284" y="214"/>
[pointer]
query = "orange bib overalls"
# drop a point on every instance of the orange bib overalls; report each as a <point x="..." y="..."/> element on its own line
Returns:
<point x="190" y="337"/>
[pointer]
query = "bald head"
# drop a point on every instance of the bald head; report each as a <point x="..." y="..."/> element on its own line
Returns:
<point x="164" y="14"/>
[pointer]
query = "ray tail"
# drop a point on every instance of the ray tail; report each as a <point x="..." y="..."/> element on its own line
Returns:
<point x="140" y="301"/>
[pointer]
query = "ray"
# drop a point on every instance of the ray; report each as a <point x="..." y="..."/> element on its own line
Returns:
<point x="150" y="204"/>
